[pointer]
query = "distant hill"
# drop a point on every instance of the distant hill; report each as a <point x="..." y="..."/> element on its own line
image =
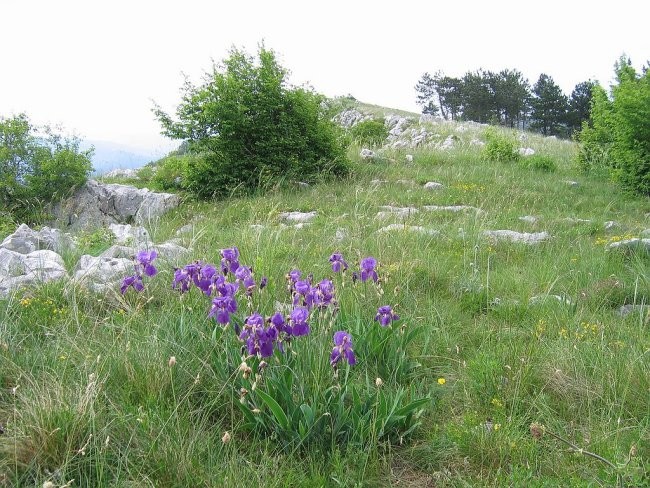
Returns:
<point x="110" y="155"/>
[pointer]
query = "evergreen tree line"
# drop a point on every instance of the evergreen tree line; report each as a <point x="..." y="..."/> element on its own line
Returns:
<point x="506" y="98"/>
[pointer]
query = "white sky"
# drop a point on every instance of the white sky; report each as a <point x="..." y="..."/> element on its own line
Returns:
<point x="95" y="66"/>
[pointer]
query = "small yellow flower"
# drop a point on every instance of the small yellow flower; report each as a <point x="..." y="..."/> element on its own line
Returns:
<point x="497" y="403"/>
<point x="442" y="381"/>
<point x="497" y="427"/>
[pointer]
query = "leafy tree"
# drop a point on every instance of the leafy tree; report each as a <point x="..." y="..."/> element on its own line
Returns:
<point x="580" y="105"/>
<point x="478" y="97"/>
<point x="37" y="167"/>
<point x="253" y="129"/>
<point x="618" y="135"/>
<point x="426" y="91"/>
<point x="549" y="107"/>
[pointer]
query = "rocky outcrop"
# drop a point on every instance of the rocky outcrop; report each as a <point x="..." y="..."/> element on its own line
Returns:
<point x="96" y="204"/>
<point x="17" y="269"/>
<point x="26" y="240"/>
<point x="513" y="236"/>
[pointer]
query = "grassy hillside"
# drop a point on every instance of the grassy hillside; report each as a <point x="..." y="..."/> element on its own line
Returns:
<point x="510" y="335"/>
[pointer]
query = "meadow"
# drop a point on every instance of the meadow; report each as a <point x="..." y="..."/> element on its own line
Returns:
<point x="509" y="364"/>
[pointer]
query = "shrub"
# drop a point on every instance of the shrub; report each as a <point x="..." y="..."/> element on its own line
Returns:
<point x="618" y="134"/>
<point x="539" y="162"/>
<point x="371" y="132"/>
<point x="37" y="167"/>
<point x="500" y="148"/>
<point x="253" y="129"/>
<point x="171" y="172"/>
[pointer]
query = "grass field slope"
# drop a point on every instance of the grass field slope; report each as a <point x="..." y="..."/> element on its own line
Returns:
<point x="512" y="361"/>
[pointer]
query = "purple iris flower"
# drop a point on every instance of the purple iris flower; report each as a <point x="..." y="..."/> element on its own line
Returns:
<point x="298" y="319"/>
<point x="263" y="282"/>
<point x="385" y="315"/>
<point x="145" y="258"/>
<point x="181" y="279"/>
<point x="205" y="278"/>
<point x="278" y="321"/>
<point x="135" y="281"/>
<point x="338" y="262"/>
<point x="259" y="340"/>
<point x="229" y="260"/>
<point x="221" y="309"/>
<point x="244" y="275"/>
<point x="342" y="349"/>
<point x="368" y="266"/>
<point x="325" y="293"/>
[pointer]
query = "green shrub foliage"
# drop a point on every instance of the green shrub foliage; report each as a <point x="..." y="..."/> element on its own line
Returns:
<point x="371" y="132"/>
<point x="618" y="133"/>
<point x="500" y="148"/>
<point x="539" y="162"/>
<point x="252" y="129"/>
<point x="37" y="167"/>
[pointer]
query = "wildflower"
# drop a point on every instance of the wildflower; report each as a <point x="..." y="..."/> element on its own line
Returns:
<point x="226" y="437"/>
<point x="181" y="279"/>
<point x="244" y="275"/>
<point x="172" y="361"/>
<point x="298" y="320"/>
<point x="144" y="259"/>
<point x="536" y="430"/>
<point x="442" y="381"/>
<point x="368" y="266"/>
<point x="277" y="319"/>
<point x="263" y="282"/>
<point x="222" y="307"/>
<point x="337" y="262"/>
<point x="342" y="349"/>
<point x="385" y="315"/>
<point x="379" y="382"/>
<point x="204" y="278"/>
<point x="229" y="260"/>
<point x="135" y="281"/>
<point x="259" y="339"/>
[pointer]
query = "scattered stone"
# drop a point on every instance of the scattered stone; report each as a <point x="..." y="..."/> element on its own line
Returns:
<point x="626" y="310"/>
<point x="96" y="204"/>
<point x="433" y="185"/>
<point x="452" y="208"/>
<point x="340" y="234"/>
<point x="378" y="182"/>
<point x="122" y="173"/>
<point x="419" y="137"/>
<point x="529" y="219"/>
<point x="171" y="251"/>
<point x="572" y="184"/>
<point x="130" y="235"/>
<point x="536" y="300"/>
<point x="302" y="185"/>
<point x="447" y="144"/>
<point x="631" y="244"/>
<point x="396" y="124"/>
<point x="186" y="229"/>
<point x="526" y="151"/>
<point x="400" y="212"/>
<point x="25" y="240"/>
<point x="118" y="251"/>
<point x="645" y="233"/>
<point x="350" y="118"/>
<point x="574" y="220"/>
<point x="18" y="270"/>
<point x="409" y="158"/>
<point x="476" y="142"/>
<point x="366" y="154"/>
<point x="100" y="274"/>
<point x="513" y="236"/>
<point x="298" y="216"/>
<point x="408" y="228"/>
<point x="611" y="224"/>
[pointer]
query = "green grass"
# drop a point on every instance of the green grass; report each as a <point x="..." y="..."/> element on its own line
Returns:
<point x="87" y="392"/>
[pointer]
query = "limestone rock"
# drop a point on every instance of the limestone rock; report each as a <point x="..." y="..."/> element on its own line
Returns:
<point x="526" y="151"/>
<point x="102" y="273"/>
<point x="298" y="216"/>
<point x="452" y="208"/>
<point x="366" y="154"/>
<point x="388" y="211"/>
<point x="392" y="228"/>
<point x="433" y="185"/>
<point x="513" y="236"/>
<point x="25" y="240"/>
<point x="96" y="204"/>
<point x="626" y="310"/>
<point x="132" y="235"/>
<point x="18" y="270"/>
<point x="631" y="244"/>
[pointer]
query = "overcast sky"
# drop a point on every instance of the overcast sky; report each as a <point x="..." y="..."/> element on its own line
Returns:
<point x="96" y="66"/>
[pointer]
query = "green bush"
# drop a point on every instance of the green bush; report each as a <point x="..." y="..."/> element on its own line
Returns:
<point x="171" y="172"/>
<point x="371" y="132"/>
<point x="37" y="167"/>
<point x="500" y="148"/>
<point x="539" y="162"/>
<point x="253" y="130"/>
<point x="618" y="133"/>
